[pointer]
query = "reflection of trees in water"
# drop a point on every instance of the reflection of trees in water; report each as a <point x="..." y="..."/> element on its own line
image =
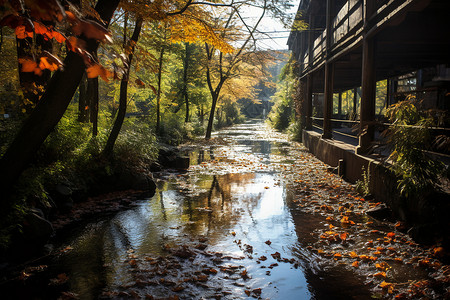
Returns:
<point x="218" y="208"/>
<point x="163" y="209"/>
<point x="205" y="155"/>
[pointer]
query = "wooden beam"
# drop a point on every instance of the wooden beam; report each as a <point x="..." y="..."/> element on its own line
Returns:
<point x="367" y="108"/>
<point x="328" y="101"/>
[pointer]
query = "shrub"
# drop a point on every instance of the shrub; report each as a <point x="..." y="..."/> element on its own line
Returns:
<point x="409" y="137"/>
<point x="283" y="112"/>
<point x="295" y="131"/>
<point x="229" y="114"/>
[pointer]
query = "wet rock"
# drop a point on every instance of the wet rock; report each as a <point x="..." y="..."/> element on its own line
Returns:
<point x="62" y="196"/>
<point x="170" y="157"/>
<point x="136" y="181"/>
<point x="380" y="212"/>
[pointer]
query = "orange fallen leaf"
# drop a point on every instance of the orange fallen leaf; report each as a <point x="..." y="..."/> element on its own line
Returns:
<point x="343" y="236"/>
<point x="380" y="275"/>
<point x="355" y="264"/>
<point x="382" y="266"/>
<point x="364" y="257"/>
<point x="438" y="252"/>
<point x="345" y="221"/>
<point x="385" y="284"/>
<point x="132" y="262"/>
<point x="388" y="286"/>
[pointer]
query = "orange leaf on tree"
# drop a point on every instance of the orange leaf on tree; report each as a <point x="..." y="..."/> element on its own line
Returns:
<point x="98" y="70"/>
<point x="140" y="83"/>
<point x="28" y="65"/>
<point x="22" y="33"/>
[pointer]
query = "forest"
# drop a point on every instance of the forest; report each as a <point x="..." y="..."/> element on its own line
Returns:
<point x="91" y="91"/>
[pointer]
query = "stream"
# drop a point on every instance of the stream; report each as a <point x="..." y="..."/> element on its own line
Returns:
<point x="233" y="226"/>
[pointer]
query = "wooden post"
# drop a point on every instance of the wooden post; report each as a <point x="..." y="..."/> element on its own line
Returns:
<point x="368" y="84"/>
<point x="308" y="99"/>
<point x="309" y="78"/>
<point x="329" y="74"/>
<point x="328" y="101"/>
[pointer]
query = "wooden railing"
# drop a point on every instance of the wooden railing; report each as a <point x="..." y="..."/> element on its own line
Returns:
<point x="347" y="20"/>
<point x="347" y="25"/>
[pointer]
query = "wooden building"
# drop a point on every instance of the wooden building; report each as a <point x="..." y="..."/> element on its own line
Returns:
<point x="353" y="44"/>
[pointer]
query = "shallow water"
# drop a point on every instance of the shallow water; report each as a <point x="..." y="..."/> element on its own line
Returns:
<point x="248" y="206"/>
<point x="231" y="227"/>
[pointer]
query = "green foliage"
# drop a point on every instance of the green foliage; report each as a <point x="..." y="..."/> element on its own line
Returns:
<point x="295" y="130"/>
<point x="136" y="144"/>
<point x="362" y="186"/>
<point x="283" y="113"/>
<point x="10" y="223"/>
<point x="228" y="114"/>
<point x="174" y="130"/>
<point x="409" y="136"/>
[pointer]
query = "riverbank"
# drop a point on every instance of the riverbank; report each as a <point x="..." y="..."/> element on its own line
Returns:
<point x="255" y="215"/>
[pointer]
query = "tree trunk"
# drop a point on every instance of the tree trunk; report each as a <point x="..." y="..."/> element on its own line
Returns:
<point x="48" y="111"/>
<point x="123" y="94"/>
<point x="93" y="100"/>
<point x="83" y="104"/>
<point x="211" y="116"/>
<point x="185" y="80"/>
<point x="215" y="92"/>
<point x="158" y="92"/>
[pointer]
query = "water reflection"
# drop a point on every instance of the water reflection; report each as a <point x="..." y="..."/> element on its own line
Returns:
<point x="251" y="205"/>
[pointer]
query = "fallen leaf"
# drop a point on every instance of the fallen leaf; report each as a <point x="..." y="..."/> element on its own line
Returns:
<point x="380" y="275"/>
<point x="343" y="236"/>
